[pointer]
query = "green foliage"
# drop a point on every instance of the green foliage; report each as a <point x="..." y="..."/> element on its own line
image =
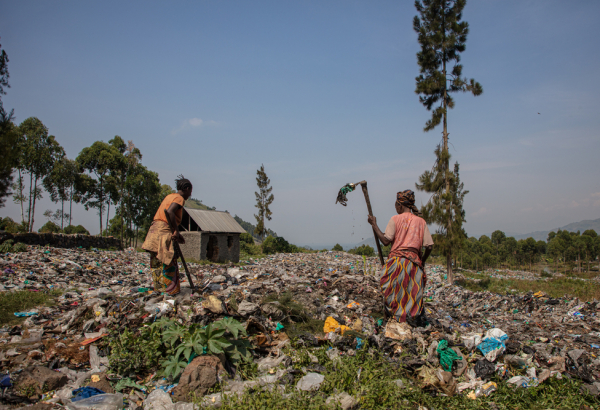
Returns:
<point x="251" y="228"/>
<point x="9" y="137"/>
<point x="251" y="250"/>
<point x="442" y="36"/>
<point x="246" y="238"/>
<point x="79" y="229"/>
<point x="22" y="301"/>
<point x="268" y="246"/>
<point x="165" y="190"/>
<point x="264" y="198"/>
<point x="6" y="246"/>
<point x="39" y="151"/>
<point x="137" y="353"/>
<point x="19" y="247"/>
<point x="184" y="342"/>
<point x="364" y="250"/>
<point x="273" y="245"/>
<point x="337" y="248"/>
<point x="49" y="227"/>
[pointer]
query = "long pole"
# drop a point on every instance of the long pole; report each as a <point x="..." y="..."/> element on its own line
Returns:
<point x="363" y="184"/>
<point x="178" y="252"/>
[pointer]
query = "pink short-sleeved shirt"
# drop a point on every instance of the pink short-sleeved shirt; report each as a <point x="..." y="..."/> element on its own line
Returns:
<point x="407" y="231"/>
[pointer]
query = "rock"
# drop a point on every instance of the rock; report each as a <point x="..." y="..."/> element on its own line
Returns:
<point x="398" y="331"/>
<point x="312" y="381"/>
<point x="267" y="363"/>
<point x="247" y="308"/>
<point x="200" y="375"/>
<point x="158" y="400"/>
<point x="102" y="384"/>
<point x="213" y="304"/>
<point x="38" y="379"/>
<point x="344" y="400"/>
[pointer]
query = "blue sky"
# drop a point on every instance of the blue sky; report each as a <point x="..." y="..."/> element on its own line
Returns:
<point x="322" y="93"/>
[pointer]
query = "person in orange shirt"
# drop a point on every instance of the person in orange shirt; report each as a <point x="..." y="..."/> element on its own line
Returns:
<point x="163" y="261"/>
<point x="404" y="278"/>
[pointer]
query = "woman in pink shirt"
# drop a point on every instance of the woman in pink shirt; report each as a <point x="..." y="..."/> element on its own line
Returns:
<point x="404" y="279"/>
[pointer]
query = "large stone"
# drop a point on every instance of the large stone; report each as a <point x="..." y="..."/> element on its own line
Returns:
<point x="247" y="308"/>
<point x="158" y="400"/>
<point x="35" y="380"/>
<point x="344" y="400"/>
<point x="200" y="375"/>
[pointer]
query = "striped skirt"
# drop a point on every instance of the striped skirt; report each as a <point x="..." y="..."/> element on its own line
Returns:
<point x="402" y="285"/>
<point x="165" y="277"/>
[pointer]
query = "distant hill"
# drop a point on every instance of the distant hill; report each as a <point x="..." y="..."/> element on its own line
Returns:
<point x="250" y="228"/>
<point x="572" y="227"/>
<point x="196" y="204"/>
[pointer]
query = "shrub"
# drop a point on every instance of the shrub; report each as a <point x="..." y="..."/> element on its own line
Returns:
<point x="49" y="227"/>
<point x="268" y="246"/>
<point x="250" y="249"/>
<point x="246" y="238"/>
<point x="364" y="250"/>
<point x="337" y="248"/>
<point x="72" y="229"/>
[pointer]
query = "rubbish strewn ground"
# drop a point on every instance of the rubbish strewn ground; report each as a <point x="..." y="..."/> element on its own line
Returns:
<point x="299" y="330"/>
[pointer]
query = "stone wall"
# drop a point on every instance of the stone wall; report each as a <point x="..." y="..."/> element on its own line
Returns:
<point x="217" y="247"/>
<point x="60" y="240"/>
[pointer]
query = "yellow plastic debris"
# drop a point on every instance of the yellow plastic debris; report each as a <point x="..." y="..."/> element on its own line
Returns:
<point x="95" y="378"/>
<point x="331" y="325"/>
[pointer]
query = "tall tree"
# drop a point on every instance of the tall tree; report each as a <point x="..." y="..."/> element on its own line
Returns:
<point x="442" y="37"/>
<point x="445" y="208"/>
<point x="59" y="184"/>
<point x="39" y="153"/>
<point x="97" y="160"/>
<point x="264" y="198"/>
<point x="8" y="135"/>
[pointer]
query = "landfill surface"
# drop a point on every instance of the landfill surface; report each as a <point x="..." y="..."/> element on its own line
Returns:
<point x="59" y="356"/>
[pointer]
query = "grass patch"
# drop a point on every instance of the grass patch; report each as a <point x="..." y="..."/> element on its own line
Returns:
<point x="556" y="288"/>
<point x="11" y="302"/>
<point x="370" y="379"/>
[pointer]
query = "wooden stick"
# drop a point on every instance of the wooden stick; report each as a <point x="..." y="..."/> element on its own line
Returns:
<point x="363" y="184"/>
<point x="179" y="254"/>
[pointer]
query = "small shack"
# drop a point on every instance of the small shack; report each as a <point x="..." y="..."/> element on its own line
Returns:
<point x="210" y="235"/>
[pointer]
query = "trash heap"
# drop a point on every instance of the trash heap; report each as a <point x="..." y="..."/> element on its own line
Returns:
<point x="287" y="305"/>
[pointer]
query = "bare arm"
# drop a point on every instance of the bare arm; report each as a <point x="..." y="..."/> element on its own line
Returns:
<point x="373" y="221"/>
<point x="174" y="207"/>
<point x="427" y="253"/>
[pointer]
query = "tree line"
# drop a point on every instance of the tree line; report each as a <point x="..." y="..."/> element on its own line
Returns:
<point x="104" y="176"/>
<point x="501" y="251"/>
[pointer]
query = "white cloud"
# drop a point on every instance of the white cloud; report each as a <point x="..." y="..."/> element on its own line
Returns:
<point x="193" y="123"/>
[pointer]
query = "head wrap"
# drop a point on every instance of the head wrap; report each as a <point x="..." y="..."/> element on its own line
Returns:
<point x="407" y="199"/>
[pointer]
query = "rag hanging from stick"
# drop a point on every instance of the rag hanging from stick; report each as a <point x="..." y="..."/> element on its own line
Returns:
<point x="341" y="198"/>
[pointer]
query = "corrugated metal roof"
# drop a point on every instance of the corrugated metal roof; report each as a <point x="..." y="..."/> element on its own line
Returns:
<point x="214" y="221"/>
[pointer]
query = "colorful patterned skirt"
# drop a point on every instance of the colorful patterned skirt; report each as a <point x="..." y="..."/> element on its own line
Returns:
<point x="403" y="284"/>
<point x="165" y="277"/>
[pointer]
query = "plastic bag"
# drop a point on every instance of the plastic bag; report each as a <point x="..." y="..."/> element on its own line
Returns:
<point x="99" y="402"/>
<point x="492" y="344"/>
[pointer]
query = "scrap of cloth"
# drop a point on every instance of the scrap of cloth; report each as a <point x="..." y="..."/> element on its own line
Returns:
<point x="402" y="285"/>
<point x="163" y="262"/>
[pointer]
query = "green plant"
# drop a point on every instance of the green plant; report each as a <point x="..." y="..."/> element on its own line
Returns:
<point x="19" y="247"/>
<point x="6" y="246"/>
<point x="189" y="341"/>
<point x="137" y="353"/>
